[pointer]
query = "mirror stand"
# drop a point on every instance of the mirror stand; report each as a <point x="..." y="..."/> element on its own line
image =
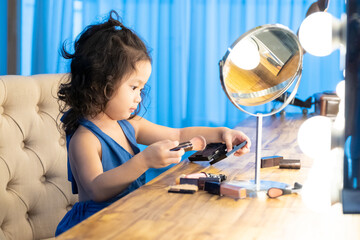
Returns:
<point x="262" y="185"/>
<point x="258" y="185"/>
<point x="259" y="118"/>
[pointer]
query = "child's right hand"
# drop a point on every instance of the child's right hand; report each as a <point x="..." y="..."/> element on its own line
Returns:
<point x="158" y="155"/>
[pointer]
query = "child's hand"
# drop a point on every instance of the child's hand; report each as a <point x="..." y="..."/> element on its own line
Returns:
<point x="234" y="137"/>
<point x="158" y="155"/>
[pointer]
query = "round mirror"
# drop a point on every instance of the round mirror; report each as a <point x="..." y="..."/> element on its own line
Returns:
<point x="261" y="65"/>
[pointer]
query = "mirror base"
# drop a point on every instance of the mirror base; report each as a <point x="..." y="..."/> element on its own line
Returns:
<point x="252" y="188"/>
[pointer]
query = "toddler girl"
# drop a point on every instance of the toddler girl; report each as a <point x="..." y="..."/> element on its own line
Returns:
<point x="100" y="102"/>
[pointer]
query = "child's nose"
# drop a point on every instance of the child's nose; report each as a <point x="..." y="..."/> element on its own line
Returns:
<point x="138" y="98"/>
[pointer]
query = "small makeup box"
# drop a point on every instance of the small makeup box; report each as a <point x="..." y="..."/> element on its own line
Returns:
<point x="327" y="104"/>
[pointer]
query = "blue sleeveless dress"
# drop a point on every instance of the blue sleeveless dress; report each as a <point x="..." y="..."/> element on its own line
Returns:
<point x="113" y="155"/>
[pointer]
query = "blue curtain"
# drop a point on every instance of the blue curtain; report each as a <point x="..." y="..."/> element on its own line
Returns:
<point x="52" y="26"/>
<point x="187" y="38"/>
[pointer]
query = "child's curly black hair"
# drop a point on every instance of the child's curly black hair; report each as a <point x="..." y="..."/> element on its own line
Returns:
<point x="104" y="54"/>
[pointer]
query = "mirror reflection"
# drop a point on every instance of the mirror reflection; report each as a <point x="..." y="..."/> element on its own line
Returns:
<point x="261" y="65"/>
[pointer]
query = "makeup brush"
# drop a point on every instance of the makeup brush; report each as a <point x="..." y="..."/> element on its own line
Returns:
<point x="197" y="143"/>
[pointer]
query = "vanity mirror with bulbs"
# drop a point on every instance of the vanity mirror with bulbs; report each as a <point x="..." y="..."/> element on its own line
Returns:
<point x="266" y="62"/>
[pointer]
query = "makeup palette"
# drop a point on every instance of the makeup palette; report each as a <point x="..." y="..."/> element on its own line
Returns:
<point x="199" y="179"/>
<point x="214" y="152"/>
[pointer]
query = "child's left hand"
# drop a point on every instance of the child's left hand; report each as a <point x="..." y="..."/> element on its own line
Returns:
<point x="234" y="137"/>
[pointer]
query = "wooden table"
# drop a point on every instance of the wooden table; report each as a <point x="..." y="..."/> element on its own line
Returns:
<point x="152" y="213"/>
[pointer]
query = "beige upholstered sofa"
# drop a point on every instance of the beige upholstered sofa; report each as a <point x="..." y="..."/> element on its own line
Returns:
<point x="34" y="191"/>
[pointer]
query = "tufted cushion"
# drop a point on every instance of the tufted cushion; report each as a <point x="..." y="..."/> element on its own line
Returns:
<point x="34" y="191"/>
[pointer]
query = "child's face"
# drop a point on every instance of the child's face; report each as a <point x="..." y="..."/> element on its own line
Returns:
<point x="127" y="97"/>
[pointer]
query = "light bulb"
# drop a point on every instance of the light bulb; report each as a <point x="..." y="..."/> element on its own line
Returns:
<point x="314" y="137"/>
<point x="316" y="33"/>
<point x="245" y="54"/>
<point x="340" y="90"/>
<point x="323" y="185"/>
<point x="316" y="193"/>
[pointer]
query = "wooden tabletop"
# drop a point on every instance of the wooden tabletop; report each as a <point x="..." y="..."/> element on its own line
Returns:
<point x="152" y="213"/>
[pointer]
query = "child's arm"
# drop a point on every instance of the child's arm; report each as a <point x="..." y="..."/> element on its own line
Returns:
<point x="85" y="160"/>
<point x="147" y="133"/>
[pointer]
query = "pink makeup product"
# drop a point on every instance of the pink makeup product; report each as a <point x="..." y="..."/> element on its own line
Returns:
<point x="197" y="143"/>
<point x="277" y="192"/>
<point x="225" y="189"/>
<point x="191" y="178"/>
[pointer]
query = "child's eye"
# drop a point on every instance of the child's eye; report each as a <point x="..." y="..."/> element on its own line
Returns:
<point x="133" y="87"/>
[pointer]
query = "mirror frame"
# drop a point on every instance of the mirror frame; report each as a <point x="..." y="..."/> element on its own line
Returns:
<point x="297" y="74"/>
